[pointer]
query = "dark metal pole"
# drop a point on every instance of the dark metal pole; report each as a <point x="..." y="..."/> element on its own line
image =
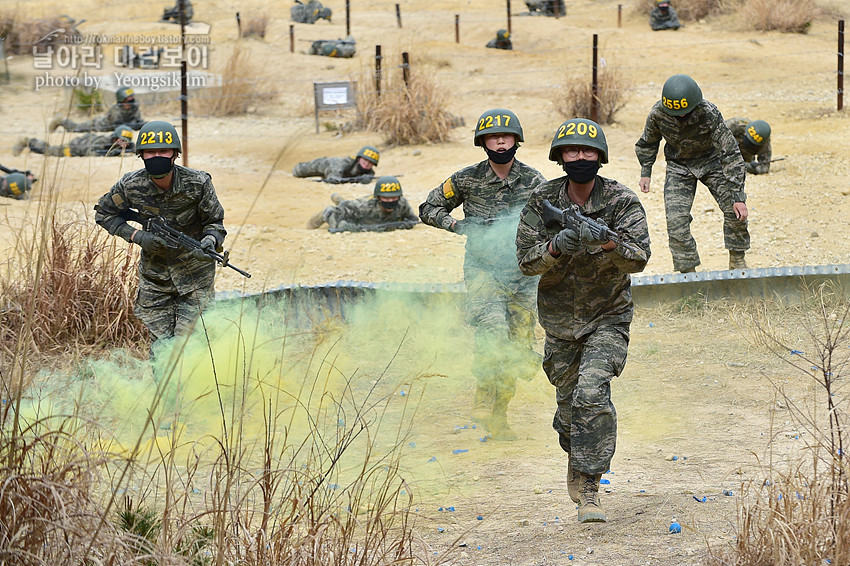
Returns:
<point x="292" y="38"/>
<point x="509" y="15"/>
<point x="184" y="93"/>
<point x="239" y="24"/>
<point x="378" y="69"/>
<point x="457" y="28"/>
<point x="405" y="68"/>
<point x="619" y="15"/>
<point x="594" y="100"/>
<point x="347" y="17"/>
<point x="398" y="15"/>
<point x="840" y="64"/>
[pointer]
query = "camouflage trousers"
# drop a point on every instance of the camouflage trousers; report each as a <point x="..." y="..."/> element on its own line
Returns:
<point x="40" y="146"/>
<point x="581" y="371"/>
<point x="166" y="312"/>
<point x="502" y="313"/>
<point x="679" y="192"/>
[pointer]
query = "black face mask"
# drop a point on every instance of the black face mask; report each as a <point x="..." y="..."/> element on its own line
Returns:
<point x="501" y="157"/>
<point x="158" y="167"/>
<point x="389" y="205"/>
<point x="581" y="171"/>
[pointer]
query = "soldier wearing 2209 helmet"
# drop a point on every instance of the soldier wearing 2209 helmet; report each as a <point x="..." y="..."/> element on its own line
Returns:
<point x="174" y="284"/>
<point x="499" y="299"/>
<point x="584" y="300"/>
<point x="355" y="169"/>
<point x="753" y="139"/>
<point x="699" y="147"/>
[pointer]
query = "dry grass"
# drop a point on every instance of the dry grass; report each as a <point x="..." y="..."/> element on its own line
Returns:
<point x="789" y="16"/>
<point x="256" y="27"/>
<point x="690" y="10"/>
<point x="575" y="97"/>
<point x="405" y="114"/>
<point x="241" y="87"/>
<point x="22" y="35"/>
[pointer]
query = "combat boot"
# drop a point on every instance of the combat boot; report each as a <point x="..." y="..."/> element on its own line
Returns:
<point x="498" y="425"/>
<point x="336" y="198"/>
<point x="316" y="221"/>
<point x="55" y="122"/>
<point x="573" y="482"/>
<point x="20" y="145"/>
<point x="691" y="269"/>
<point x="589" y="507"/>
<point x="482" y="405"/>
<point x="736" y="260"/>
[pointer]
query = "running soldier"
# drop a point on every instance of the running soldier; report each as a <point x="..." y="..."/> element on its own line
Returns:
<point x="310" y="12"/>
<point x="754" y="143"/>
<point x="386" y="209"/>
<point x="502" y="40"/>
<point x="124" y="111"/>
<point x="663" y="16"/>
<point x="699" y="147"/>
<point x="500" y="301"/>
<point x="584" y="299"/>
<point x="355" y="169"/>
<point x="121" y="141"/>
<point x="174" y="284"/>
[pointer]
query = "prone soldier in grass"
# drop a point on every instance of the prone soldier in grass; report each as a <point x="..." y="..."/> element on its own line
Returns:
<point x="92" y="143"/>
<point x="124" y="111"/>
<point x="386" y="209"/>
<point x="663" y="16"/>
<point x="355" y="169"/>
<point x="584" y="298"/>
<point x="310" y="12"/>
<point x="174" y="283"/>
<point x="500" y="301"/>
<point x="753" y="139"/>
<point x="501" y="41"/>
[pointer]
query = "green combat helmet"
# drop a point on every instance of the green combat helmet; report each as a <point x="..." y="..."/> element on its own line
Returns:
<point x="123" y="94"/>
<point x="370" y="154"/>
<point x="578" y="131"/>
<point x="758" y="132"/>
<point x="124" y="132"/>
<point x="325" y="13"/>
<point x="497" y="121"/>
<point x="17" y="184"/>
<point x="329" y="49"/>
<point x="157" y="135"/>
<point x="503" y="34"/>
<point x="680" y="95"/>
<point x="387" y="186"/>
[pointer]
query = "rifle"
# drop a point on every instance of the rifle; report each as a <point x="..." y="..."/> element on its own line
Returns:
<point x="555" y="218"/>
<point x="174" y="238"/>
<point x="28" y="173"/>
<point x="777" y="159"/>
<point x="382" y="227"/>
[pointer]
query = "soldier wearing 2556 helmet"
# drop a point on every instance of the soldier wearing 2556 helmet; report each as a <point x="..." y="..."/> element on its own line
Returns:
<point x="500" y="301"/>
<point x="358" y="168"/>
<point x="385" y="210"/>
<point x="699" y="147"/>
<point x="753" y="139"/>
<point x="174" y="284"/>
<point x="584" y="299"/>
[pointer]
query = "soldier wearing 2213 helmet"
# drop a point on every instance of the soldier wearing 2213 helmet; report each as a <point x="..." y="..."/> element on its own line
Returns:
<point x="584" y="300"/>
<point x="499" y="300"/>
<point x="174" y="284"/>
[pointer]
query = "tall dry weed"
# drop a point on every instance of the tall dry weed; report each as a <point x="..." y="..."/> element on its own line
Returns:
<point x="240" y="87"/>
<point x="575" y="97"/>
<point x="789" y="16"/>
<point x="690" y="10"/>
<point x="23" y="36"/>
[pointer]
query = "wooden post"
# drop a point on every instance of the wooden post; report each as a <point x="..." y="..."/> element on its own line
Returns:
<point x="594" y="101"/>
<point x="509" y="15"/>
<point x="398" y="15"/>
<point x="184" y="93"/>
<point x="405" y="68"/>
<point x="457" y="28"/>
<point x="378" y="69"/>
<point x="619" y="15"/>
<point x="347" y="17"/>
<point x="238" y="25"/>
<point x="292" y="38"/>
<point x="840" y="65"/>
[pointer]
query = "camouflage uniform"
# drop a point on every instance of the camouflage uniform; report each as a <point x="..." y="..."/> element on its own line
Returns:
<point x="173" y="286"/>
<point x="546" y="7"/>
<point x="661" y="20"/>
<point x="497" y="43"/>
<point x="344" y="48"/>
<point x="334" y="170"/>
<point x="364" y="212"/>
<point x="88" y="144"/>
<point x="116" y="116"/>
<point x="749" y="152"/>
<point x="306" y="13"/>
<point x="699" y="147"/>
<point x="585" y="306"/>
<point x="174" y="13"/>
<point x="499" y="299"/>
<point x="15" y="192"/>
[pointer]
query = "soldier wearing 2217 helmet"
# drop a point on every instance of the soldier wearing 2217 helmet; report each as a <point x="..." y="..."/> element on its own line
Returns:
<point x="174" y="284"/>
<point x="584" y="299"/>
<point x="499" y="300"/>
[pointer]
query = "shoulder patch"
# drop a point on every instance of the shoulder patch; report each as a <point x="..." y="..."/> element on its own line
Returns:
<point x="118" y="200"/>
<point x="448" y="188"/>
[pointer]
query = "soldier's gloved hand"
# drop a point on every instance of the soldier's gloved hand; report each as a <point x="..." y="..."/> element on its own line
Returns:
<point x="149" y="242"/>
<point x="333" y="180"/>
<point x="365" y="179"/>
<point x="462" y="226"/>
<point x="566" y="241"/>
<point x="594" y="235"/>
<point x="751" y="167"/>
<point x="207" y="246"/>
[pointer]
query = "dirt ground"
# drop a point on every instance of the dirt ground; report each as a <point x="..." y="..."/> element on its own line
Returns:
<point x="692" y="388"/>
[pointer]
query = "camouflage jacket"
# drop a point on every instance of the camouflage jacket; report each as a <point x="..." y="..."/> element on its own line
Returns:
<point x="577" y="293"/>
<point x="334" y="170"/>
<point x="306" y="13"/>
<point x="94" y="144"/>
<point x="190" y="206"/>
<point x="497" y="43"/>
<point x="658" y="20"/>
<point x="114" y="117"/>
<point x="698" y="138"/>
<point x="491" y="209"/>
<point x="360" y="213"/>
<point x="749" y="152"/>
<point x="546" y="7"/>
